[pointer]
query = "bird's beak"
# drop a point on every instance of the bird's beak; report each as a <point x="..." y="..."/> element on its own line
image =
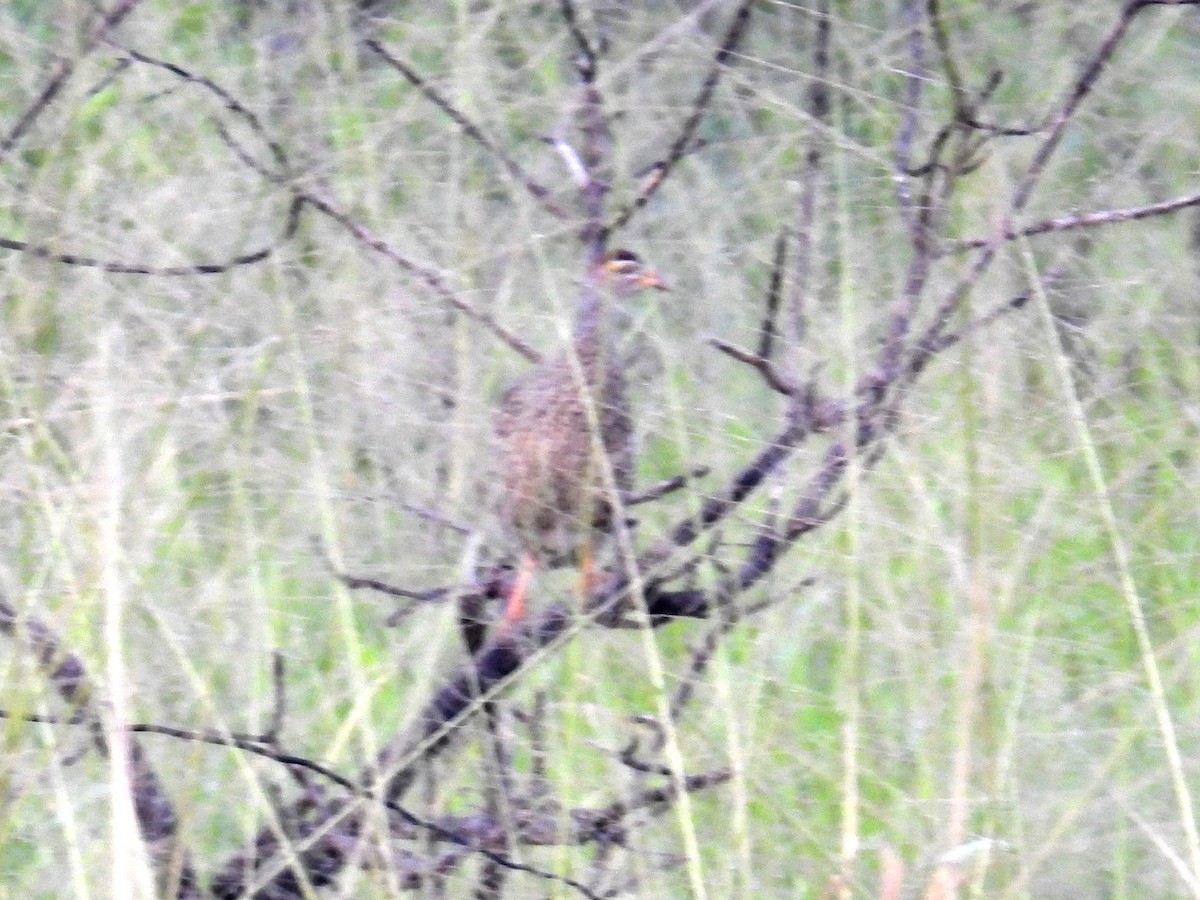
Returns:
<point x="651" y="279"/>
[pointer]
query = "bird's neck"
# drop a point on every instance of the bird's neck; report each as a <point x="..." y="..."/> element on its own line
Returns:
<point x="596" y="327"/>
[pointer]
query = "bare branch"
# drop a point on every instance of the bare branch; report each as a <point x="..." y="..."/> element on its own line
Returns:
<point x="1079" y="91"/>
<point x="597" y="150"/>
<point x="769" y="329"/>
<point x="806" y="219"/>
<point x="702" y="655"/>
<point x="360" y="232"/>
<point x="356" y="790"/>
<point x="1081" y="220"/>
<point x="669" y="486"/>
<point x="683" y="140"/>
<point x="300" y="197"/>
<point x="279" y="706"/>
<point x="228" y="100"/>
<point x="658" y="797"/>
<point x="906" y="134"/>
<point x="776" y="380"/>
<point x="473" y="131"/>
<point x="290" y="227"/>
<point x="433" y="595"/>
<point x="427" y="276"/>
<point x="590" y="57"/>
<point x="435" y="726"/>
<point x="63" y="72"/>
<point x="933" y="342"/>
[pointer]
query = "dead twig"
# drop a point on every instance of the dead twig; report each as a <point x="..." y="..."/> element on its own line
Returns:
<point x="301" y="197"/>
<point x="702" y="655"/>
<point x="906" y="134"/>
<point x="1056" y="128"/>
<point x="227" y="99"/>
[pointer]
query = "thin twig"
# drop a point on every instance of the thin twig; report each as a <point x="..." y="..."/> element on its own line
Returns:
<point x="703" y="654"/>
<point x="291" y="225"/>
<point x="1080" y="220"/>
<point x="658" y="797"/>
<point x="432" y="595"/>
<point x="806" y="218"/>
<point x="430" y="278"/>
<point x="914" y="81"/>
<point x="279" y="704"/>
<point x="228" y="100"/>
<point x="589" y="60"/>
<point x="280" y="178"/>
<point x="683" y="140"/>
<point x="669" y="486"/>
<point x="63" y="72"/>
<point x="267" y="751"/>
<point x="769" y="329"/>
<point x="597" y="150"/>
<point x="1058" y="122"/>
<point x="775" y="379"/>
<point x="434" y="517"/>
<point x="470" y="129"/>
<point x="965" y="109"/>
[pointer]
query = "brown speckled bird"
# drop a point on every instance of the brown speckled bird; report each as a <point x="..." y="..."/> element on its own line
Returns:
<point x="564" y="430"/>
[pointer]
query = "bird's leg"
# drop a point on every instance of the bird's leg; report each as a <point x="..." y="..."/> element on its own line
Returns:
<point x="514" y="607"/>
<point x="588" y="577"/>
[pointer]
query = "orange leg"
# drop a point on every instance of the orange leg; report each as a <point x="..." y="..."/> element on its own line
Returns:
<point x="588" y="577"/>
<point x="514" y="607"/>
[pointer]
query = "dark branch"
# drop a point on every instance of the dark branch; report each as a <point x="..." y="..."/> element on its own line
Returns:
<point x="1070" y="104"/>
<point x="300" y="197"/>
<point x="806" y="219"/>
<point x="906" y="134"/>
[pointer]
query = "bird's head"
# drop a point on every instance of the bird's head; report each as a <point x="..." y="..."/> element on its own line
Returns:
<point x="624" y="272"/>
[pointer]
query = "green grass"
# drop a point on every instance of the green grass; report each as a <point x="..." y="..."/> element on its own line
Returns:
<point x="223" y="433"/>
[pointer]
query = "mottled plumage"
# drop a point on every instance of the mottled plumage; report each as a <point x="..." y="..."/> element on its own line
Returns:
<point x="563" y="431"/>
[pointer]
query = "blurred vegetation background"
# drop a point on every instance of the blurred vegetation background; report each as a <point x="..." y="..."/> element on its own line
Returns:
<point x="176" y="451"/>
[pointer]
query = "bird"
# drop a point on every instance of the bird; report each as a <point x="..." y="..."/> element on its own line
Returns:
<point x="564" y="438"/>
